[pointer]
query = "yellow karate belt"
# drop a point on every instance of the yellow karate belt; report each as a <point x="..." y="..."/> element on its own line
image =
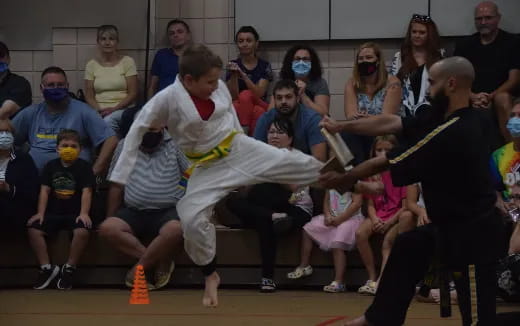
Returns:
<point x="221" y="150"/>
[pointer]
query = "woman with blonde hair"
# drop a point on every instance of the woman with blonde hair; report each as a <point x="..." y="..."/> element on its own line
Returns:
<point x="371" y="90"/>
<point x="110" y="78"/>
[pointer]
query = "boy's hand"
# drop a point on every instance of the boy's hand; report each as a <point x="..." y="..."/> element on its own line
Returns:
<point x="35" y="218"/>
<point x="85" y="219"/>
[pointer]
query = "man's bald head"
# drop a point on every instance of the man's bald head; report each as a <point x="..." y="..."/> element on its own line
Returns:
<point x="487" y="19"/>
<point x="457" y="67"/>
<point x="487" y="6"/>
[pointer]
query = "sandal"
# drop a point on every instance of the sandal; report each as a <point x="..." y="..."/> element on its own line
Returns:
<point x="334" y="287"/>
<point x="300" y="272"/>
<point x="370" y="288"/>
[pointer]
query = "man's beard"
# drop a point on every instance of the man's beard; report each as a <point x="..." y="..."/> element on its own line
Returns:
<point x="439" y="102"/>
<point x="286" y="110"/>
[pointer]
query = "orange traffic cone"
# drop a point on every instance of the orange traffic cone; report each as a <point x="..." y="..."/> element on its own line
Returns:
<point x="139" y="294"/>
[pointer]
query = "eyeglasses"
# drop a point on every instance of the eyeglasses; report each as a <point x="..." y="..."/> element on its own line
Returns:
<point x="276" y="131"/>
<point x="421" y="18"/>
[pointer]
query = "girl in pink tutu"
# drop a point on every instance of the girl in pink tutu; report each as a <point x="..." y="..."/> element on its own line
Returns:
<point x="334" y="230"/>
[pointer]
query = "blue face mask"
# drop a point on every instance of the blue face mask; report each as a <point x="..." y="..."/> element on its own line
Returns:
<point x="55" y="94"/>
<point x="3" y="67"/>
<point x="513" y="125"/>
<point x="301" y="68"/>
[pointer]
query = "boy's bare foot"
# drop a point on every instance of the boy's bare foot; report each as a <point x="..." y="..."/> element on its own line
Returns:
<point x="360" y="321"/>
<point x="210" y="298"/>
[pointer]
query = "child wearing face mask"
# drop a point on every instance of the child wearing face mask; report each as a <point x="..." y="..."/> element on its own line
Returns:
<point x="18" y="182"/>
<point x="384" y="212"/>
<point x="64" y="204"/>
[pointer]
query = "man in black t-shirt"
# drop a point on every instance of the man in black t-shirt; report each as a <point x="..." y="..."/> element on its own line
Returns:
<point x="495" y="55"/>
<point x="15" y="91"/>
<point x="450" y="159"/>
<point x="64" y="204"/>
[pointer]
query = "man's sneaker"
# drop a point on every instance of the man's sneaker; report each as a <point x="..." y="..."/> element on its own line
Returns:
<point x="45" y="277"/>
<point x="65" y="281"/>
<point x="163" y="275"/>
<point x="267" y="285"/>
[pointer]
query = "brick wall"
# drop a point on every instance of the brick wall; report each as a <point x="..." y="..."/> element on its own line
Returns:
<point x="211" y="22"/>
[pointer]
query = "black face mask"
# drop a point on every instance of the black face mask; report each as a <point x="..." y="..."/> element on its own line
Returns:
<point x="439" y="102"/>
<point x="152" y="139"/>
<point x="367" y="68"/>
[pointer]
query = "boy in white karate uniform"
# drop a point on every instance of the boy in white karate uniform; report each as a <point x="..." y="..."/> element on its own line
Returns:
<point x="200" y="117"/>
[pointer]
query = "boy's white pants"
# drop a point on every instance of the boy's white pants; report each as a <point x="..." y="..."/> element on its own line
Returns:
<point x="249" y="162"/>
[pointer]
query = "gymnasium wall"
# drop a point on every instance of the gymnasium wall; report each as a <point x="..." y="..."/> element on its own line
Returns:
<point x="70" y="43"/>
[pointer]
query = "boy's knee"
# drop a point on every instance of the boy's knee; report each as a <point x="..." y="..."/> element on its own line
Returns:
<point x="34" y="232"/>
<point x="109" y="227"/>
<point x="171" y="230"/>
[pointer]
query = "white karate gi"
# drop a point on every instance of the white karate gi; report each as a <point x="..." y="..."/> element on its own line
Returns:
<point x="249" y="162"/>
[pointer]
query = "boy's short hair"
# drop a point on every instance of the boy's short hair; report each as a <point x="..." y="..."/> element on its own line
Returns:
<point x="68" y="134"/>
<point x="197" y="60"/>
<point x="285" y="83"/>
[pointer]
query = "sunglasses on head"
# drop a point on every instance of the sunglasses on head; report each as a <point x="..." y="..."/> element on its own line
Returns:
<point x="421" y="18"/>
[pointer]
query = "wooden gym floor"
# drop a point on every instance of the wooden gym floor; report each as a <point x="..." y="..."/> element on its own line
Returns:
<point x="99" y="307"/>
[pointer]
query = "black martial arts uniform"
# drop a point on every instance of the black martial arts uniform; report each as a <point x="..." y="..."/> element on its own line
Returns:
<point x="450" y="158"/>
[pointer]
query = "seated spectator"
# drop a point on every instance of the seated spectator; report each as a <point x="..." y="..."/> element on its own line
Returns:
<point x="504" y="163"/>
<point x="64" y="204"/>
<point x="514" y="242"/>
<point x="248" y="78"/>
<point x="371" y="90"/>
<point x="39" y="124"/>
<point x="420" y="50"/>
<point x="110" y="79"/>
<point x="149" y="198"/>
<point x="18" y="182"/>
<point x="273" y="209"/>
<point x="165" y="65"/>
<point x="384" y="212"/>
<point x="302" y="64"/>
<point x="307" y="135"/>
<point x="15" y="91"/>
<point x="334" y="230"/>
<point x="495" y="55"/>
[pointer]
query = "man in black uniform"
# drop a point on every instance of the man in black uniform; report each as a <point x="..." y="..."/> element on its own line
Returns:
<point x="450" y="158"/>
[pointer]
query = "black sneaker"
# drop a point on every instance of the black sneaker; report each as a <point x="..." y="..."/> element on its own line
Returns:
<point x="45" y="277"/>
<point x="65" y="281"/>
<point x="267" y="285"/>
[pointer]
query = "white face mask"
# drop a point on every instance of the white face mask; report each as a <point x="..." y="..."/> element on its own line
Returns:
<point x="6" y="140"/>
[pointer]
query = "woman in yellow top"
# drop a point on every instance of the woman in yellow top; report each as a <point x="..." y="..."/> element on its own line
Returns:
<point x="110" y="78"/>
